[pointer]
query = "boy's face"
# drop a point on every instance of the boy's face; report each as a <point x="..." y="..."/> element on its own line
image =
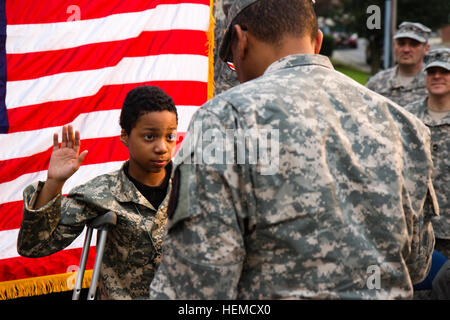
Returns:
<point x="151" y="143"/>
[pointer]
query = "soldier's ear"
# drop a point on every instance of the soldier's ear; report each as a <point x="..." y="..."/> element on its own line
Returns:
<point x="241" y="40"/>
<point x="318" y="42"/>
<point x="124" y="137"/>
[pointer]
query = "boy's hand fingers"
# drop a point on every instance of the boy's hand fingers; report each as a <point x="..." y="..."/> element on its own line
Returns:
<point x="81" y="157"/>
<point x="55" y="141"/>
<point x="77" y="140"/>
<point x="64" y="137"/>
<point x="70" y="137"/>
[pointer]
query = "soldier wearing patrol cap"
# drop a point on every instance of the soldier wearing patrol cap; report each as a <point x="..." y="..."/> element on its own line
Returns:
<point x="345" y="192"/>
<point x="434" y="111"/>
<point x="405" y="83"/>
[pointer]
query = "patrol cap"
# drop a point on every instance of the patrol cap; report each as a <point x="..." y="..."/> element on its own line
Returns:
<point x="438" y="58"/>
<point x="413" y="30"/>
<point x="233" y="12"/>
<point x="236" y="8"/>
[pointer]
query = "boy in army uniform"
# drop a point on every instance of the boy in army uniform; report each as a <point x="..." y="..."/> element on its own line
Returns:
<point x="350" y="198"/>
<point x="137" y="193"/>
<point x="405" y="83"/>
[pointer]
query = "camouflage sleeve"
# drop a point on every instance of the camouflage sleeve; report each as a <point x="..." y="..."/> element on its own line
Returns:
<point x="204" y="248"/>
<point x="369" y="83"/>
<point x="42" y="231"/>
<point x="422" y="245"/>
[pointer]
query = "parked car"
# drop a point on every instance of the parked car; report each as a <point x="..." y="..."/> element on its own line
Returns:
<point x="345" y="40"/>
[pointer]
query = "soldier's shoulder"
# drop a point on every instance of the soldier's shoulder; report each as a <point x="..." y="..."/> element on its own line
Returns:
<point x="417" y="106"/>
<point x="382" y="75"/>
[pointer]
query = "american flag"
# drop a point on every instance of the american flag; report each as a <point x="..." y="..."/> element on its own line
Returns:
<point x="73" y="61"/>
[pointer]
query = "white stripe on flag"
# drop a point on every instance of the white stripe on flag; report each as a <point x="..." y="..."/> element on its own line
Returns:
<point x="8" y="243"/>
<point x="99" y="124"/>
<point x="72" y="85"/>
<point x="35" y="37"/>
<point x="13" y="190"/>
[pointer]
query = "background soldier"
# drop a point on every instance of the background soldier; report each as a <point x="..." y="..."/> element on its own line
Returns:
<point x="405" y="83"/>
<point x="348" y="193"/>
<point x="434" y="111"/>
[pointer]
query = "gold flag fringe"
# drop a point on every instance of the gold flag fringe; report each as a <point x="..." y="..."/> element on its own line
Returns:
<point x="210" y="37"/>
<point x="41" y="285"/>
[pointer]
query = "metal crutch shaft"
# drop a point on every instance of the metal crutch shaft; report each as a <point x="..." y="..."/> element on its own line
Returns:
<point x="98" y="262"/>
<point x="82" y="268"/>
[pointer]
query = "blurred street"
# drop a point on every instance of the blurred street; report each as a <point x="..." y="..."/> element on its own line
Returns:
<point x="353" y="57"/>
<point x="357" y="57"/>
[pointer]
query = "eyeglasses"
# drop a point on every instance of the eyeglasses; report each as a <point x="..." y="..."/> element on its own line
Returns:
<point x="231" y="66"/>
<point x="433" y="70"/>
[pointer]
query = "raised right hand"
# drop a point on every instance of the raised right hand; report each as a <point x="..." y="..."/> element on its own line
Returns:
<point x="65" y="159"/>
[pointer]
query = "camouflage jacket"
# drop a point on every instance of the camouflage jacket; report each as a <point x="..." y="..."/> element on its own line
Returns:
<point x="440" y="151"/>
<point x="133" y="246"/>
<point x="345" y="198"/>
<point x="384" y="83"/>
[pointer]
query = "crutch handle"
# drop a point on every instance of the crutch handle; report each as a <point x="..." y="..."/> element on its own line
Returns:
<point x="104" y="222"/>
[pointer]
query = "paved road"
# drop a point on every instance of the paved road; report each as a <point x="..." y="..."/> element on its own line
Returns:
<point x="354" y="57"/>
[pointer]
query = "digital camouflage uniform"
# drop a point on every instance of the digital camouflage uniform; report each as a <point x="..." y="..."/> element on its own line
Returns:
<point x="351" y="194"/>
<point x="385" y="83"/>
<point x="133" y="246"/>
<point x="440" y="151"/>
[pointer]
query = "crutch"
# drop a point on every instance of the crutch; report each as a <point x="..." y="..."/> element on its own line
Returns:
<point x="102" y="223"/>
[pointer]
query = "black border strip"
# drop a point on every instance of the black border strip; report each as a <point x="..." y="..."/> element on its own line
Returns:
<point x="4" y="124"/>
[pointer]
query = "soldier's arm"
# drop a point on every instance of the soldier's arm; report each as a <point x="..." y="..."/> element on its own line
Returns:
<point x="422" y="244"/>
<point x="370" y="83"/>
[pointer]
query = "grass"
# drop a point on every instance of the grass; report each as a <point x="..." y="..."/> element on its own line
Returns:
<point x="352" y="72"/>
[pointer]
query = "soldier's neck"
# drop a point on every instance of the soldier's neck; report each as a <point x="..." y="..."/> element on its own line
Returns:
<point x="409" y="70"/>
<point x="439" y="102"/>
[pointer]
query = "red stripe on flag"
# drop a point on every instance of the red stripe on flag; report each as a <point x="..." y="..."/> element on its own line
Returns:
<point x="48" y="11"/>
<point x="100" y="55"/>
<point x="11" y="215"/>
<point x="21" y="267"/>
<point x="53" y="114"/>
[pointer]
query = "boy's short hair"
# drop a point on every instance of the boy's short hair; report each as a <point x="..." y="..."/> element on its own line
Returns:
<point x="141" y="100"/>
<point x="270" y="20"/>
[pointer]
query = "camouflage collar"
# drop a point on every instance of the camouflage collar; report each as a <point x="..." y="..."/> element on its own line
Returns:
<point x="418" y="81"/>
<point x="125" y="191"/>
<point x="297" y="60"/>
<point x="421" y="111"/>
